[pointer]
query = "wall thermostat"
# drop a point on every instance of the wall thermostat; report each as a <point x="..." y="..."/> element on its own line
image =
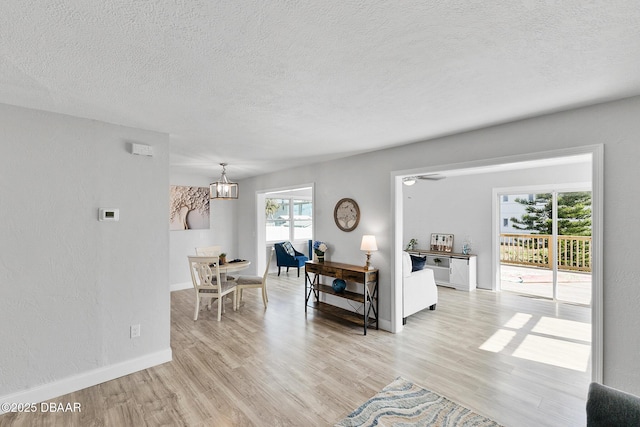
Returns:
<point x="109" y="214"/>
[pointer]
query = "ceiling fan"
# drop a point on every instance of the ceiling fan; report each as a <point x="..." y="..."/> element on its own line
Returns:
<point x="410" y="180"/>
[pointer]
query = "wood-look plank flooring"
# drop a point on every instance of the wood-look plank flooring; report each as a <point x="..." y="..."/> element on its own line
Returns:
<point x="278" y="367"/>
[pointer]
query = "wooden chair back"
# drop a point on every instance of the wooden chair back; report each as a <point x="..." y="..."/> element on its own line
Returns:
<point x="205" y="272"/>
<point x="209" y="250"/>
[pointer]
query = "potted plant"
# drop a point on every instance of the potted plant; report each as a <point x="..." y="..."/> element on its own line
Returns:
<point x="223" y="258"/>
<point x="412" y="244"/>
<point x="437" y="261"/>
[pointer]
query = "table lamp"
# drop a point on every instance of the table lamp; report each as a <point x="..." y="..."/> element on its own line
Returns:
<point x="368" y="244"/>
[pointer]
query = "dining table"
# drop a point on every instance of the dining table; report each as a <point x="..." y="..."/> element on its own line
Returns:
<point x="232" y="267"/>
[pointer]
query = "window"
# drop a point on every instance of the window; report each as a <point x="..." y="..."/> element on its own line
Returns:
<point x="288" y="219"/>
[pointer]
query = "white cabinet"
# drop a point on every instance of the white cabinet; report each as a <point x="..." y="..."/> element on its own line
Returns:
<point x="458" y="272"/>
<point x="451" y="269"/>
<point x="462" y="273"/>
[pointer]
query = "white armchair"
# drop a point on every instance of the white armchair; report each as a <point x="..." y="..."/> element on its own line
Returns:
<point x="419" y="289"/>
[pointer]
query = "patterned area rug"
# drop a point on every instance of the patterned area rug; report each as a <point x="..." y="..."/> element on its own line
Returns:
<point x="403" y="403"/>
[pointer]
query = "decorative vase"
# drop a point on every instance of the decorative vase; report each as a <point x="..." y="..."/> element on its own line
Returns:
<point x="339" y="285"/>
<point x="320" y="258"/>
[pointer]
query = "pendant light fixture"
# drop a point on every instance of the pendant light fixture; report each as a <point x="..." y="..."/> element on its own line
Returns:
<point x="223" y="189"/>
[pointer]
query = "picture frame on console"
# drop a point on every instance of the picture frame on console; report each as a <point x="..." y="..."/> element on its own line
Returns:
<point x="441" y="242"/>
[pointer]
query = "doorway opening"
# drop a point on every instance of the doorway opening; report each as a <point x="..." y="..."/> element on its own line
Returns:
<point x="284" y="214"/>
<point x="464" y="210"/>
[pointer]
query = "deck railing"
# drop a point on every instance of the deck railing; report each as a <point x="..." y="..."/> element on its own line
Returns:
<point x="574" y="252"/>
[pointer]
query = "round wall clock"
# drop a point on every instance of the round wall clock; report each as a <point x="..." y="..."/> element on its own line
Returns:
<point x="346" y="214"/>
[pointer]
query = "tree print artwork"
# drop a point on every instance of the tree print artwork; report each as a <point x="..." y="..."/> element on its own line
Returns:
<point x="189" y="208"/>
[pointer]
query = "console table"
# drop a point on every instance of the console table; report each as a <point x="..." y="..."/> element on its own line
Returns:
<point x="453" y="269"/>
<point x="314" y="271"/>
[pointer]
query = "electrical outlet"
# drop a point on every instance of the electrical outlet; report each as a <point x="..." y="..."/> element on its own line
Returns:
<point x="135" y="331"/>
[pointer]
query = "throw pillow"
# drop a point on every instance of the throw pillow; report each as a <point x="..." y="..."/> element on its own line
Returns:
<point x="417" y="263"/>
<point x="289" y="248"/>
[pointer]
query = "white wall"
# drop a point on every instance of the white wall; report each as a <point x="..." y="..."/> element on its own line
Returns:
<point x="71" y="285"/>
<point x="366" y="178"/>
<point x="222" y="223"/>
<point x="462" y="206"/>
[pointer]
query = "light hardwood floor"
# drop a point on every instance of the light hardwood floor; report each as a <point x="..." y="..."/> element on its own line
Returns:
<point x="518" y="360"/>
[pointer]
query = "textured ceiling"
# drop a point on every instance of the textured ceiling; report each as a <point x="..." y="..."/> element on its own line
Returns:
<point x="265" y="85"/>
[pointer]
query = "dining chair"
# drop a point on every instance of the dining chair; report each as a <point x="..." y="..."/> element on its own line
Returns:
<point x="212" y="251"/>
<point x="205" y="275"/>
<point x="254" y="282"/>
<point x="209" y="250"/>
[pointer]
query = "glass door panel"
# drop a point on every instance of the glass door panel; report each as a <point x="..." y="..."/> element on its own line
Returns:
<point x="573" y="247"/>
<point x="525" y="239"/>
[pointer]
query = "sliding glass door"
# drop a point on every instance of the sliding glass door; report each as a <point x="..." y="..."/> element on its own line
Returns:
<point x="545" y="245"/>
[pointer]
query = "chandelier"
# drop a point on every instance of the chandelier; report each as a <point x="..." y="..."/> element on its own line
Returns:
<point x="223" y="189"/>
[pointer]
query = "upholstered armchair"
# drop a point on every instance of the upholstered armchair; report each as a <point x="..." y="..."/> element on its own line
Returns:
<point x="287" y="256"/>
<point x="419" y="289"/>
<point x="607" y="406"/>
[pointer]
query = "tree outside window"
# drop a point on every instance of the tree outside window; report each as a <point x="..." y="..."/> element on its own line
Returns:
<point x="288" y="219"/>
<point x="574" y="214"/>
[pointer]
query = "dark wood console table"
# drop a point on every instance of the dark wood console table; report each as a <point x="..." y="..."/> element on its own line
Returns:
<point x="313" y="285"/>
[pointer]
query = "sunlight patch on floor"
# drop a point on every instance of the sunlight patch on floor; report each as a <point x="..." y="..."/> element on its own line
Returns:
<point x="518" y="321"/>
<point x="498" y="341"/>
<point x="556" y="352"/>
<point x="563" y="328"/>
<point x="558" y="342"/>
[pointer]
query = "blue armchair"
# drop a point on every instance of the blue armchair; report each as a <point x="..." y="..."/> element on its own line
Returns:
<point x="287" y="256"/>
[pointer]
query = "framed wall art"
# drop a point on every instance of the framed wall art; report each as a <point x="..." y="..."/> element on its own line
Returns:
<point x="346" y="214"/>
<point x="441" y="242"/>
<point x="189" y="208"/>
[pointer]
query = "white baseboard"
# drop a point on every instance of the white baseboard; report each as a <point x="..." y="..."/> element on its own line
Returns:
<point x="180" y="286"/>
<point x="77" y="382"/>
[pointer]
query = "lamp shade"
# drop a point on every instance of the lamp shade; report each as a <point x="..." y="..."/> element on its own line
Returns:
<point x="368" y="243"/>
